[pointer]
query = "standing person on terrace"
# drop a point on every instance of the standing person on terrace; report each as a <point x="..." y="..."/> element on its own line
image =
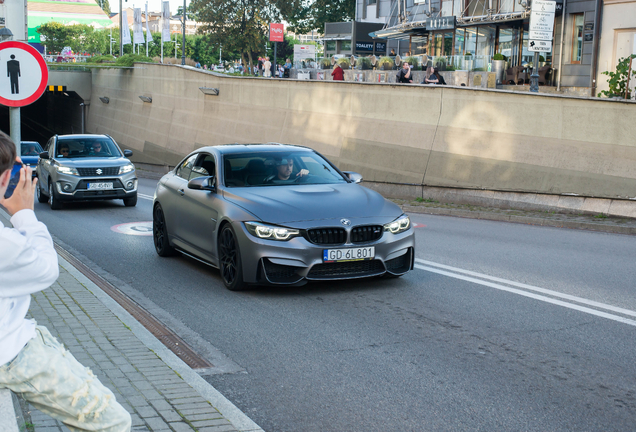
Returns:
<point x="405" y="76"/>
<point x="267" y="68"/>
<point x="337" y="73"/>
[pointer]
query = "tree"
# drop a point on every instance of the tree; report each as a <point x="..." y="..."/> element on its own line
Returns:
<point x="238" y="25"/>
<point x="307" y="16"/>
<point x="105" y="5"/>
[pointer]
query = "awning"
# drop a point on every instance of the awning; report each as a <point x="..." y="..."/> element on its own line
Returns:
<point x="337" y="37"/>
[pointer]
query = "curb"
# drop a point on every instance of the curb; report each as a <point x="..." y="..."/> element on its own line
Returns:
<point x="528" y="220"/>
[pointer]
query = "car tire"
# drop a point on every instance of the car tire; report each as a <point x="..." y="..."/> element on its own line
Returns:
<point x="38" y="193"/>
<point x="160" y="234"/>
<point x="130" y="202"/>
<point x="230" y="260"/>
<point x="54" y="200"/>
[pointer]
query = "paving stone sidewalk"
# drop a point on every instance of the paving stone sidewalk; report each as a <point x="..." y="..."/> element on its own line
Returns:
<point x="156" y="396"/>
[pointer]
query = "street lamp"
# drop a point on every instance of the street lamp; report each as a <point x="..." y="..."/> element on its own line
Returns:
<point x="5" y="34"/>
<point x="183" y="45"/>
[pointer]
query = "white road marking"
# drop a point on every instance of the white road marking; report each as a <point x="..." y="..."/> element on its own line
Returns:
<point x="146" y="197"/>
<point x="530" y="294"/>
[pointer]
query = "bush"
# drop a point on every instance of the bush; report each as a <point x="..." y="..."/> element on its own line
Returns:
<point x="541" y="58"/>
<point x="326" y="63"/>
<point x="499" y="56"/>
<point x="344" y="63"/>
<point x="618" y="80"/>
<point x="386" y="60"/>
<point x="412" y="60"/>
<point x="101" y="59"/>
<point x="130" y="59"/>
<point x="364" y="63"/>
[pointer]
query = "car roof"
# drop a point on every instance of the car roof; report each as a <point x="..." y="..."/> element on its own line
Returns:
<point x="83" y="136"/>
<point x="254" y="147"/>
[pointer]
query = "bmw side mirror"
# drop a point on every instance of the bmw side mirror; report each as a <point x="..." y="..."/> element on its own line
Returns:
<point x="353" y="176"/>
<point x="44" y="155"/>
<point x="128" y="153"/>
<point x="202" y="183"/>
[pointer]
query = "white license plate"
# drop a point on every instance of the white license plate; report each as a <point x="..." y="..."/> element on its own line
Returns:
<point x="100" y="186"/>
<point x="350" y="254"/>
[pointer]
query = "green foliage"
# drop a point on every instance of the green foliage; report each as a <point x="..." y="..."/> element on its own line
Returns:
<point x="326" y="63"/>
<point x="541" y="58"/>
<point x="499" y="56"/>
<point x="101" y="59"/>
<point x="344" y="63"/>
<point x="618" y="80"/>
<point x="412" y="60"/>
<point x="385" y="60"/>
<point x="364" y="63"/>
<point x="130" y="59"/>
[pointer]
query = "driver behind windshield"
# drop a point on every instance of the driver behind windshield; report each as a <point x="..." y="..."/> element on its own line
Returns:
<point x="97" y="149"/>
<point x="63" y="150"/>
<point x="284" y="169"/>
<point x="30" y="150"/>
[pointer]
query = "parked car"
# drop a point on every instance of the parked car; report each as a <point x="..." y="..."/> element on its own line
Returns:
<point x="30" y="154"/>
<point x="85" y="168"/>
<point x="278" y="215"/>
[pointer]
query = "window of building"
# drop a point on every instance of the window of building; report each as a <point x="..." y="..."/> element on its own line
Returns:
<point x="458" y="7"/>
<point x="459" y="42"/>
<point x="345" y="46"/>
<point x="371" y="2"/>
<point x="447" y="8"/>
<point x="330" y="45"/>
<point x="577" y="38"/>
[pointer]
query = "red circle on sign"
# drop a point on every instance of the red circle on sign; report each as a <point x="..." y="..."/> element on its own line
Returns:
<point x="45" y="74"/>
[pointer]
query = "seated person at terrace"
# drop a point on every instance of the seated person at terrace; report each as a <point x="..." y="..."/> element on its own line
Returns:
<point x="284" y="169"/>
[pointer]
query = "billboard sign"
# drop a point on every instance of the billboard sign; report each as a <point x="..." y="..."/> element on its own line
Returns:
<point x="276" y="32"/>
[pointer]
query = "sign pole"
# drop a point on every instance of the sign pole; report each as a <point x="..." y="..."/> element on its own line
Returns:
<point x="14" y="125"/>
<point x="275" y="64"/>
<point x="534" y="78"/>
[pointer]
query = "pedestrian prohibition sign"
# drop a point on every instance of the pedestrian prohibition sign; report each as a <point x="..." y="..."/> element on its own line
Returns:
<point x="23" y="74"/>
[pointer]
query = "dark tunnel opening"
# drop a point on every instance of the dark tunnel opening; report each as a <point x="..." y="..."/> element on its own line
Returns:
<point x="54" y="113"/>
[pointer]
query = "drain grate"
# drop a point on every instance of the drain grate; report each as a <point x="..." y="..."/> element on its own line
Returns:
<point x="173" y="342"/>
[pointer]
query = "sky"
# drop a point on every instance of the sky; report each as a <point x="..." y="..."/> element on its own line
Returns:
<point x="153" y="5"/>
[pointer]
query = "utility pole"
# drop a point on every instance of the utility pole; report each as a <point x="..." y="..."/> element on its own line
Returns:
<point x="183" y="44"/>
<point x="121" y="40"/>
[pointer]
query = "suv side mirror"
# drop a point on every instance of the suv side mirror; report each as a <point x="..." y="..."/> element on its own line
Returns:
<point x="353" y="176"/>
<point x="44" y="155"/>
<point x="202" y="183"/>
<point x="128" y="153"/>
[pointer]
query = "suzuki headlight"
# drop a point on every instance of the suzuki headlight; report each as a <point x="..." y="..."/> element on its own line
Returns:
<point x="271" y="232"/>
<point x="399" y="225"/>
<point x="126" y="168"/>
<point x="66" y="170"/>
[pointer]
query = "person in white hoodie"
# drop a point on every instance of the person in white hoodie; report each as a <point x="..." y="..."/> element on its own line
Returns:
<point x="32" y="362"/>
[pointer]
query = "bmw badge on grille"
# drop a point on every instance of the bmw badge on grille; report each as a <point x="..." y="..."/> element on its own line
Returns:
<point x="345" y="222"/>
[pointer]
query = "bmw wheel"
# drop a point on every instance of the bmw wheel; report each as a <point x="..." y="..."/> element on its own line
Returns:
<point x="230" y="260"/>
<point x="160" y="233"/>
<point x="54" y="201"/>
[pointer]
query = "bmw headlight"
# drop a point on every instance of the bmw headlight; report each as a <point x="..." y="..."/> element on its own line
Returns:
<point x="271" y="232"/>
<point x="66" y="170"/>
<point x="126" y="168"/>
<point x="399" y="225"/>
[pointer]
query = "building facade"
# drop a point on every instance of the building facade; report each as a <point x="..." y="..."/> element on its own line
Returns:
<point x="353" y="38"/>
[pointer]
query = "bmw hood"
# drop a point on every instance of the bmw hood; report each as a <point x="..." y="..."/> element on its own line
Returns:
<point x="296" y="203"/>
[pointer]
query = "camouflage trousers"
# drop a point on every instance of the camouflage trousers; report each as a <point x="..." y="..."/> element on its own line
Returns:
<point x="50" y="378"/>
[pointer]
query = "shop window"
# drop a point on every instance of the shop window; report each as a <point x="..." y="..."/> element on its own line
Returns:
<point x="509" y="44"/>
<point x="330" y="45"/>
<point x="345" y="46"/>
<point x="418" y="44"/>
<point x="471" y="40"/>
<point x="371" y="2"/>
<point x="577" y="38"/>
<point x="459" y="42"/>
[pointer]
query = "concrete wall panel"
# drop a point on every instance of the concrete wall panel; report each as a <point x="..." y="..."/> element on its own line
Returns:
<point x="419" y="135"/>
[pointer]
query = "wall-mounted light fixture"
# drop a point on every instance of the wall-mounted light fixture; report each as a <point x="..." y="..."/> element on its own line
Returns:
<point x="146" y="99"/>
<point x="104" y="99"/>
<point x="209" y="91"/>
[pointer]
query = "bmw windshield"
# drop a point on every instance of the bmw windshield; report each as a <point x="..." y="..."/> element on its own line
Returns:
<point x="73" y="148"/>
<point x="278" y="168"/>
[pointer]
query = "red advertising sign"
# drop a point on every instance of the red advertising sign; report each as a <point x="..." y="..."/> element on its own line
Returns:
<point x="277" y="32"/>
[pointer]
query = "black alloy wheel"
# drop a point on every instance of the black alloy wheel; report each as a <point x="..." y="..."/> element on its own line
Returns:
<point x="160" y="233"/>
<point x="230" y="260"/>
<point x="54" y="201"/>
<point x="38" y="193"/>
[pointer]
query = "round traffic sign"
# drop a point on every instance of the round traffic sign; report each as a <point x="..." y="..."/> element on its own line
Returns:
<point x="23" y="74"/>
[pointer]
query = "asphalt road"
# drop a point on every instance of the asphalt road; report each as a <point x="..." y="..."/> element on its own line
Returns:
<point x="501" y="327"/>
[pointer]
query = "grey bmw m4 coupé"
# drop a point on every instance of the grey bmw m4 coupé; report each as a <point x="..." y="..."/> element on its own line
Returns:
<point x="271" y="214"/>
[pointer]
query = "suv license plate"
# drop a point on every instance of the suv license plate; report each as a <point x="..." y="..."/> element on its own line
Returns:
<point x="100" y="186"/>
<point x="350" y="254"/>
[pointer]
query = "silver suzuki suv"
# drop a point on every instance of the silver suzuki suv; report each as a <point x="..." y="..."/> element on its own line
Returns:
<point x="84" y="168"/>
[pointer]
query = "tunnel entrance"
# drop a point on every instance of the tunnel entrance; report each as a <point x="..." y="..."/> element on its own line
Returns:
<point x="54" y="113"/>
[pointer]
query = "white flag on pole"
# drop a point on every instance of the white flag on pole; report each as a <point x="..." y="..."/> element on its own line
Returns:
<point x="165" y="15"/>
<point x="138" y="33"/>
<point x="125" y="31"/>
<point x="148" y="35"/>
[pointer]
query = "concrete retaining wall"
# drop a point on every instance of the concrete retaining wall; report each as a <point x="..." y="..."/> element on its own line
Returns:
<point x="420" y="135"/>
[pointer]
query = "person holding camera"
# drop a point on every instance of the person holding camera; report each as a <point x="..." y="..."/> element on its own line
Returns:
<point x="32" y="362"/>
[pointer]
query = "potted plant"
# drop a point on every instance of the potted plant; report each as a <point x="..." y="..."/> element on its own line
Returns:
<point x="541" y="61"/>
<point x="499" y="67"/>
<point x="618" y="80"/>
<point x="440" y="64"/>
<point x="364" y="63"/>
<point x="412" y="61"/>
<point x="386" y="63"/>
<point x="326" y="63"/>
<point x="344" y="63"/>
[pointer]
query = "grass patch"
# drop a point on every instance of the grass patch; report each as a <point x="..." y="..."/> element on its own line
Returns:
<point x="601" y="216"/>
